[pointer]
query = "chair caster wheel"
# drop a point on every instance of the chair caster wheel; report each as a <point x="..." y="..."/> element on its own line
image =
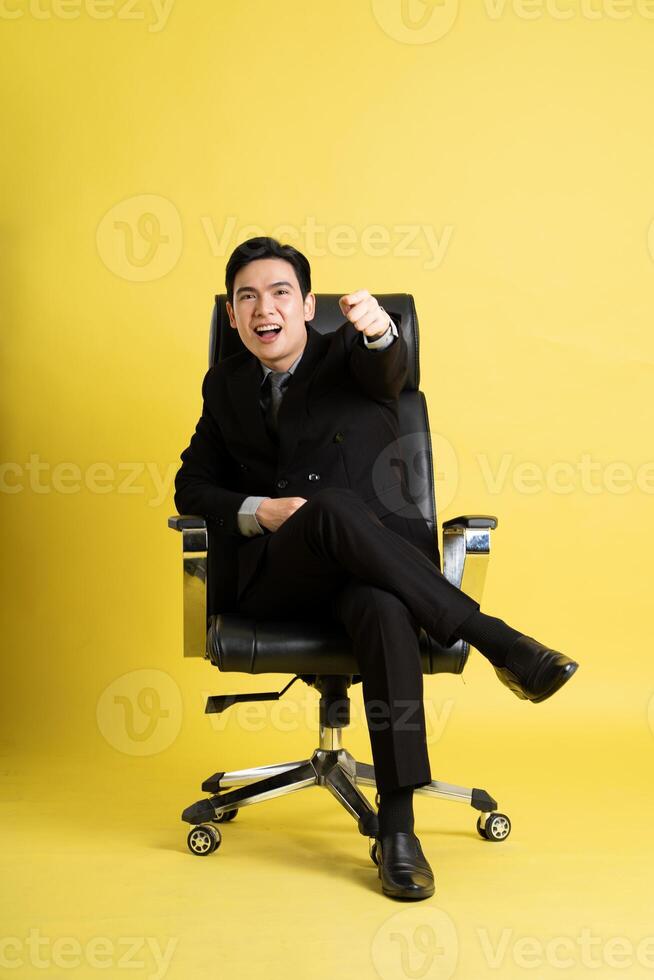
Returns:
<point x="372" y="850"/>
<point x="203" y="840"/>
<point x="225" y="817"/>
<point x="496" y="828"/>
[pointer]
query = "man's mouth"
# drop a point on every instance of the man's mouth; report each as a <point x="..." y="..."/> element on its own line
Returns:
<point x="267" y="331"/>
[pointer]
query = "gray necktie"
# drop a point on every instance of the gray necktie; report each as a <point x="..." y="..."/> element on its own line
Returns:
<point x="278" y="380"/>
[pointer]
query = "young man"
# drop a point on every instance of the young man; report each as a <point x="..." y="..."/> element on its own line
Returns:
<point x="282" y="466"/>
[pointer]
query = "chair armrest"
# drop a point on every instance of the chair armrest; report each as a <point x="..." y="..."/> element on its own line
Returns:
<point x="474" y="520"/>
<point x="466" y="547"/>
<point x="194" y="581"/>
<point x="181" y="522"/>
<point x="194" y="532"/>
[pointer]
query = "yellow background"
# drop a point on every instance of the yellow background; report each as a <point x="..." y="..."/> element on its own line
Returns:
<point x="141" y="145"/>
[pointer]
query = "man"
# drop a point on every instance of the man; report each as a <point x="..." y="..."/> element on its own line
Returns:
<point x="282" y="465"/>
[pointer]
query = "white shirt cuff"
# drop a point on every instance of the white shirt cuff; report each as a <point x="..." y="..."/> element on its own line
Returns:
<point x="386" y="338"/>
<point x="246" y="519"/>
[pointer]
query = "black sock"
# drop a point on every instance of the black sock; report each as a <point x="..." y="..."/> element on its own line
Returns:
<point x="488" y="634"/>
<point x="396" y="811"/>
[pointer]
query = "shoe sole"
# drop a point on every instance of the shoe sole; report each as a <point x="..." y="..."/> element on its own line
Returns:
<point x="564" y="676"/>
<point x="411" y="896"/>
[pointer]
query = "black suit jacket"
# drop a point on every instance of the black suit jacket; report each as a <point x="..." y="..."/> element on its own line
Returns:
<point x="338" y="422"/>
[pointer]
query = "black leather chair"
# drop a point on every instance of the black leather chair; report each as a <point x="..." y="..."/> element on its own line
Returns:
<point x="322" y="650"/>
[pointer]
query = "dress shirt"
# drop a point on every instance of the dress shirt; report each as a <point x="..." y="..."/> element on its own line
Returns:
<point x="247" y="521"/>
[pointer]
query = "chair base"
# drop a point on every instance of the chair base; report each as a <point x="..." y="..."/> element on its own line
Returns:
<point x="333" y="768"/>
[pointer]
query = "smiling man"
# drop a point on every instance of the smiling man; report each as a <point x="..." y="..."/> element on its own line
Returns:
<point x="281" y="466"/>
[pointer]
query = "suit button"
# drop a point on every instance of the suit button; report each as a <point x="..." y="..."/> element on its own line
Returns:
<point x="242" y="466"/>
<point x="339" y="437"/>
<point x="221" y="521"/>
<point x="314" y="476"/>
<point x="282" y="483"/>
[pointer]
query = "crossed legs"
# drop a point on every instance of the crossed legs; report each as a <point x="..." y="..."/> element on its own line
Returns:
<point x="334" y="557"/>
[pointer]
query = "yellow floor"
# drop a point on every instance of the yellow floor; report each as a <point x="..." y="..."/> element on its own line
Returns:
<point x="96" y="869"/>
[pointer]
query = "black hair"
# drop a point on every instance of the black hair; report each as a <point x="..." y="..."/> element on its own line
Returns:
<point x="267" y="248"/>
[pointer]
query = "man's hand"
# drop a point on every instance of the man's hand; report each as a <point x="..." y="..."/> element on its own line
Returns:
<point x="363" y="310"/>
<point x="272" y="513"/>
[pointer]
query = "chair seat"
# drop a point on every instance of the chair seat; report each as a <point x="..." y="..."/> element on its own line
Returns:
<point x="237" y="643"/>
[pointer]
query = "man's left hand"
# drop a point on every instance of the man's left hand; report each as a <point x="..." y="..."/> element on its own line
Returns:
<point x="365" y="313"/>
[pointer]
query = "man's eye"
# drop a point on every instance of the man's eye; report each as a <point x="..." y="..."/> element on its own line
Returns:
<point x="250" y="295"/>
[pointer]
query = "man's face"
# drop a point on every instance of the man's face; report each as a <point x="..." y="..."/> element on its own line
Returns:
<point x="267" y="294"/>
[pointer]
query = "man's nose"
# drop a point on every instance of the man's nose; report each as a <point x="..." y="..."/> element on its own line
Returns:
<point x="263" y="309"/>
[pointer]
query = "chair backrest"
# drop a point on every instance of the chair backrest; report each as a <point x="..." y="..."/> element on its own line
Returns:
<point x="415" y="442"/>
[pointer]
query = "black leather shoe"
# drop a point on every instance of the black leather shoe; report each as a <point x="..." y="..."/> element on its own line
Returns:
<point x="403" y="868"/>
<point x="534" y="672"/>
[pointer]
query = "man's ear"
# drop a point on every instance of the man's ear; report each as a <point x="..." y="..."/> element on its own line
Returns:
<point x="230" y="314"/>
<point x="309" y="306"/>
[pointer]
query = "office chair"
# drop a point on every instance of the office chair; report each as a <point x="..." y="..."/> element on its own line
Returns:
<point x="320" y="653"/>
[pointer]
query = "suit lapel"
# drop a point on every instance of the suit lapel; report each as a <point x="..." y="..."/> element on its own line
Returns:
<point x="245" y="390"/>
<point x="244" y="386"/>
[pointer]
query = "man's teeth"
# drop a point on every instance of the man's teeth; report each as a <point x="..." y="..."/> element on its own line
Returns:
<point x="260" y="330"/>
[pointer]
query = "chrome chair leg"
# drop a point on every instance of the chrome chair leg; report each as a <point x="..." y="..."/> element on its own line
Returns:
<point x="341" y="784"/>
<point x="476" y="798"/>
<point x="240" y="776"/>
<point x="263" y="789"/>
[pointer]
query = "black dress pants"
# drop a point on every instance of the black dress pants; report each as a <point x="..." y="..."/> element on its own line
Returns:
<point x="333" y="558"/>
